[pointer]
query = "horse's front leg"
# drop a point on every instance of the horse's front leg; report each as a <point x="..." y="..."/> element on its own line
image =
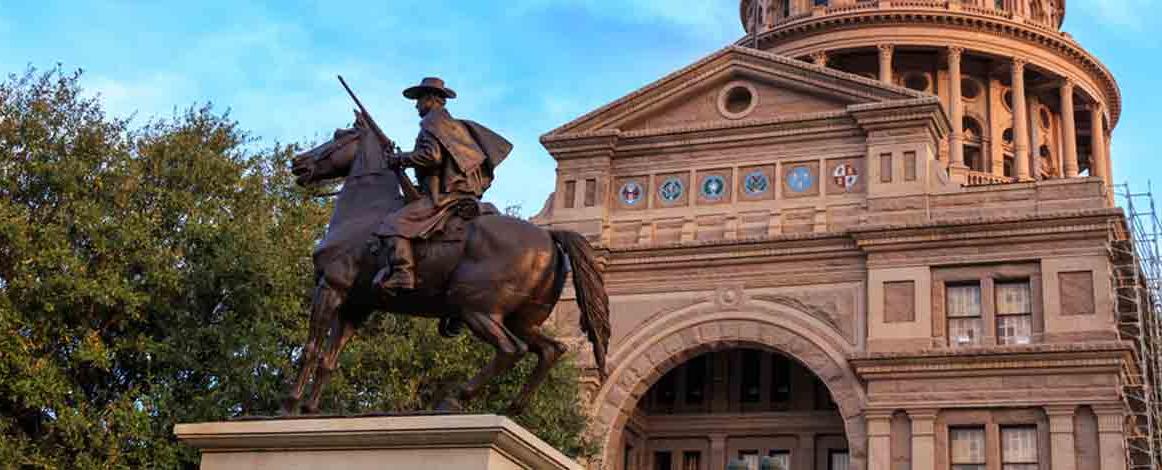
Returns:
<point x="324" y="306"/>
<point x="341" y="332"/>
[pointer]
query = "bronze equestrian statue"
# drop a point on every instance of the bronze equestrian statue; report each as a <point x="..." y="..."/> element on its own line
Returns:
<point x="444" y="254"/>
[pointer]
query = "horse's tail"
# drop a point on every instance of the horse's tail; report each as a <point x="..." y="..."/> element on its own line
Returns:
<point x="591" y="297"/>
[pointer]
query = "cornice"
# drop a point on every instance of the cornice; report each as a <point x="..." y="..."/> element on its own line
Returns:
<point x="978" y="22"/>
<point x="1105" y="355"/>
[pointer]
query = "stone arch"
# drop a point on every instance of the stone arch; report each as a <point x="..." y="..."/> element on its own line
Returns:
<point x="666" y="341"/>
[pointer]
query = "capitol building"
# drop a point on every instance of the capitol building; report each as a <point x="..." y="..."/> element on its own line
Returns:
<point x="869" y="235"/>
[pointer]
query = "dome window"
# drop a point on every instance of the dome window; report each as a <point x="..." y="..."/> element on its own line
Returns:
<point x="917" y="81"/>
<point x="969" y="89"/>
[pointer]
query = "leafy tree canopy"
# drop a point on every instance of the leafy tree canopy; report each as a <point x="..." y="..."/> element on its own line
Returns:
<point x="159" y="274"/>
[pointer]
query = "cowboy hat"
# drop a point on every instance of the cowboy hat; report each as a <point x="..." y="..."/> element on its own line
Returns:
<point x="429" y="85"/>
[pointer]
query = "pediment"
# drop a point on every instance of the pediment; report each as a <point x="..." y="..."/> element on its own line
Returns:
<point x="732" y="85"/>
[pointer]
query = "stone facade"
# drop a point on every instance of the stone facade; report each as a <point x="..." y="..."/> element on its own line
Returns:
<point x="938" y="263"/>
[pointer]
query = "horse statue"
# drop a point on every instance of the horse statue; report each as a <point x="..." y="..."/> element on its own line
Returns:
<point x="500" y="276"/>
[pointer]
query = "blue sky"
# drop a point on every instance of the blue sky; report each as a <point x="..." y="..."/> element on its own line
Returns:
<point x="521" y="67"/>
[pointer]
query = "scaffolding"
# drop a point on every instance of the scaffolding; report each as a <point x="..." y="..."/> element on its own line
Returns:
<point x="1137" y="278"/>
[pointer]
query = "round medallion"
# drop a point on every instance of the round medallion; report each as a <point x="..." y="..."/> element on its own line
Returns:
<point x="799" y="179"/>
<point x="846" y="176"/>
<point x="713" y="187"/>
<point x="671" y="189"/>
<point x="756" y="183"/>
<point x="631" y="193"/>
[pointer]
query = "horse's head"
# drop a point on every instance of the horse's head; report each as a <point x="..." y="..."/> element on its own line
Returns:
<point x="330" y="160"/>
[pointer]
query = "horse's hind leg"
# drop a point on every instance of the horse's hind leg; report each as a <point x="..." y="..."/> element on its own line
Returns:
<point x="324" y="306"/>
<point x="548" y="351"/>
<point x="509" y="350"/>
<point x="342" y="330"/>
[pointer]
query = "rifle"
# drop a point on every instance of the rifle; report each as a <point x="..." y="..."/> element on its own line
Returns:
<point x="410" y="193"/>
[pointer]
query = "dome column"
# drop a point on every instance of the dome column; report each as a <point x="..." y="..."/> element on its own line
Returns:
<point x="886" y="51"/>
<point x="1069" y="128"/>
<point x="956" y="107"/>
<point x="1020" y="121"/>
<point x="1098" y="165"/>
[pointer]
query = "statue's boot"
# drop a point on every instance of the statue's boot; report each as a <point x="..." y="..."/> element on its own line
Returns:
<point x="402" y="268"/>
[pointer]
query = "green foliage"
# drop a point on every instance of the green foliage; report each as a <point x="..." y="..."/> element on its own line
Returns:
<point x="160" y="274"/>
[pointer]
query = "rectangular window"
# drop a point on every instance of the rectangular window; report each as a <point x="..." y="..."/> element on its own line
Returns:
<point x="781" y="459"/>
<point x="780" y="379"/>
<point x="663" y="461"/>
<point x="691" y="460"/>
<point x="838" y="460"/>
<point x="965" y="323"/>
<point x="885" y="168"/>
<point x="786" y="8"/>
<point x="966" y="446"/>
<point x="909" y="166"/>
<point x="1014" y="312"/>
<point x="750" y="457"/>
<point x="570" y="194"/>
<point x="590" y="192"/>
<point x="1019" y="448"/>
<point x="751" y="374"/>
<point x="696" y="380"/>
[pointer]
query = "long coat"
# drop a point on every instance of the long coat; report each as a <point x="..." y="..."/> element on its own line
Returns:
<point x="454" y="161"/>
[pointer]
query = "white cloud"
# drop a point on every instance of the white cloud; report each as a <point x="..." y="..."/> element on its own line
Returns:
<point x="152" y="95"/>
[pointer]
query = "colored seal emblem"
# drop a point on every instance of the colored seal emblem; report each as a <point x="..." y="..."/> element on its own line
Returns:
<point x="800" y="179"/>
<point x="756" y="183"/>
<point x="671" y="189"/>
<point x="713" y="187"/>
<point x="846" y="176"/>
<point x="631" y="193"/>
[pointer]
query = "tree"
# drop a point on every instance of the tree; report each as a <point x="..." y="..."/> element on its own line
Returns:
<point x="160" y="274"/>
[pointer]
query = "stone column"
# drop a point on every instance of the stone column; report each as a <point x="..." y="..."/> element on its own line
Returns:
<point x="1061" y="445"/>
<point x="806" y="458"/>
<point x="886" y="51"/>
<point x="819" y="58"/>
<point x="923" y="438"/>
<point x="1020" y="121"/>
<point x="955" y="107"/>
<point x="879" y="440"/>
<point x="1069" y="129"/>
<point x="1098" y="144"/>
<point x="717" y="451"/>
<point x="1034" y="139"/>
<point x="1110" y="428"/>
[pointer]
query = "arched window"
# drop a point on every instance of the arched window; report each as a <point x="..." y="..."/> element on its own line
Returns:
<point x="820" y="3"/>
<point x="973" y="144"/>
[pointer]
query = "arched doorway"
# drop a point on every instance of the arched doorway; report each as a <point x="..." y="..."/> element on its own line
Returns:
<point x="771" y="325"/>
<point x="738" y="403"/>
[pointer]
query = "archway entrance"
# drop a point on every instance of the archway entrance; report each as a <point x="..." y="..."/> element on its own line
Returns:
<point x="738" y="403"/>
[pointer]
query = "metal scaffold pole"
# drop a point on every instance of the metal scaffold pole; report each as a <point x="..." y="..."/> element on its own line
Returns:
<point x="1136" y="275"/>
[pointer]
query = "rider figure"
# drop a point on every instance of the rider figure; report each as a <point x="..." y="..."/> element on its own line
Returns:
<point x="454" y="162"/>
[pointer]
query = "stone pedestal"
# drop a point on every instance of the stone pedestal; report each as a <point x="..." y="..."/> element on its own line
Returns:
<point x="433" y="442"/>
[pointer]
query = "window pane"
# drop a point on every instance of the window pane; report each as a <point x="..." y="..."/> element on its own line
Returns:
<point x="780" y="379"/>
<point x="1019" y="446"/>
<point x="662" y="461"/>
<point x="965" y="331"/>
<point x="751" y="372"/>
<point x="781" y="459"/>
<point x="1015" y="329"/>
<point x="751" y="457"/>
<point x="839" y="461"/>
<point x="692" y="460"/>
<point x="964" y="301"/>
<point x="1014" y="298"/>
<point x="967" y="446"/>
<point x="695" y="380"/>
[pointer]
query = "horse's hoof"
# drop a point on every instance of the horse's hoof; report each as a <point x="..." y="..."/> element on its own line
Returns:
<point x="449" y="404"/>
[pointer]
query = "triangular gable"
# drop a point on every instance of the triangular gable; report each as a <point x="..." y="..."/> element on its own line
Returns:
<point x="691" y="95"/>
